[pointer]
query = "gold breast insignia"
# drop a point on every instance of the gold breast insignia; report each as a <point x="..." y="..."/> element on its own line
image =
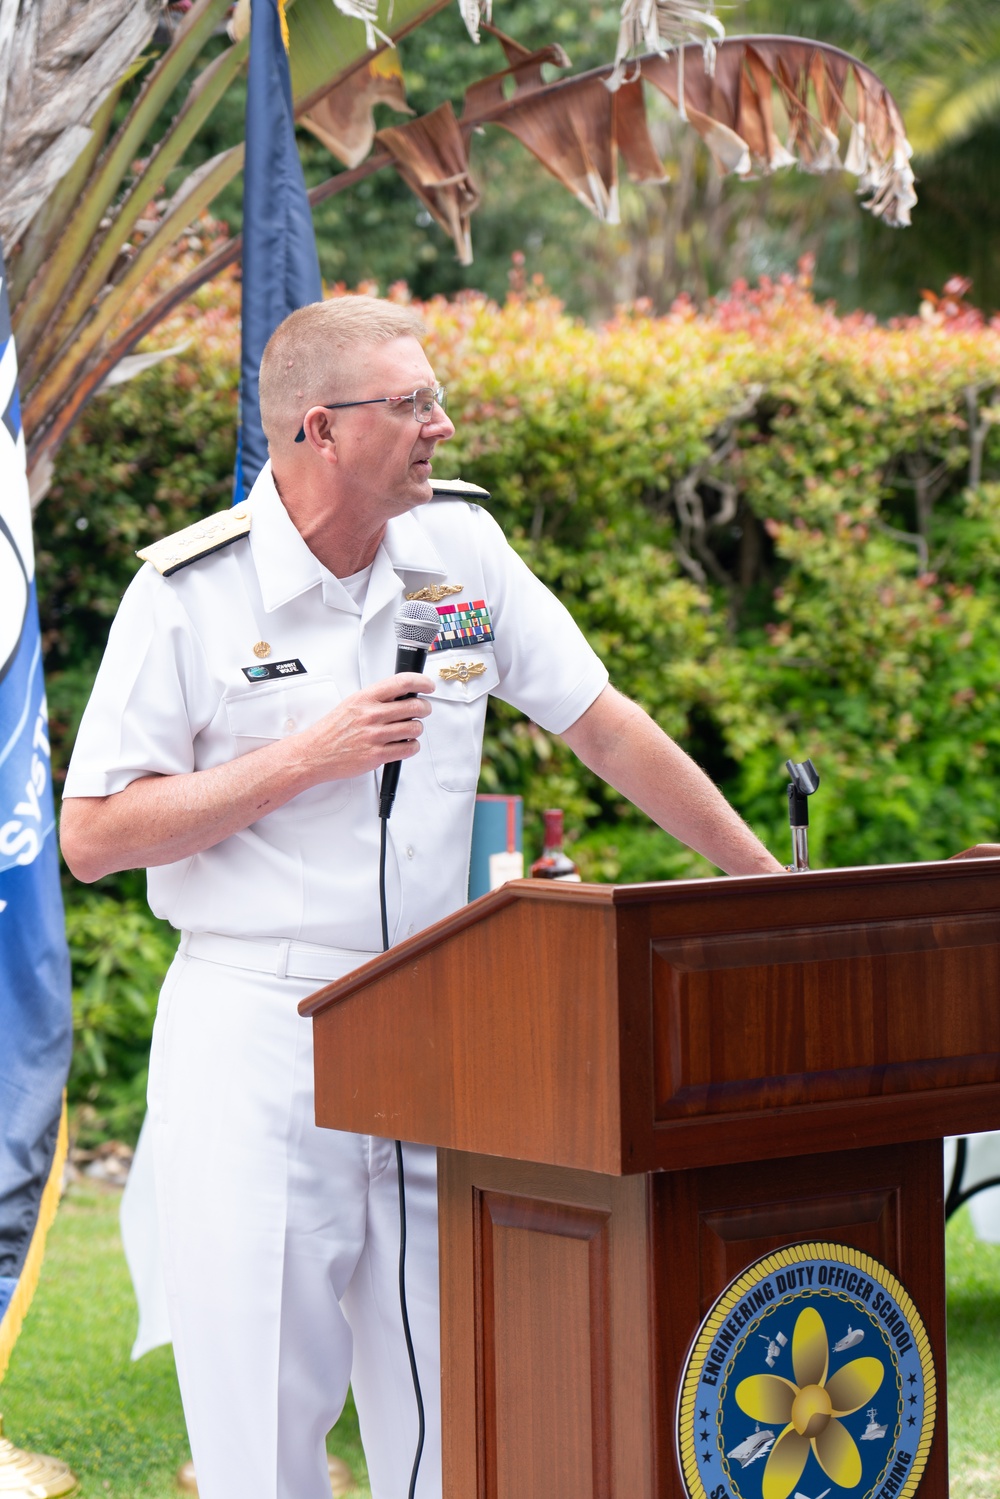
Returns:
<point x="261" y="649"/>
<point x="435" y="592"/>
<point x="463" y="671"/>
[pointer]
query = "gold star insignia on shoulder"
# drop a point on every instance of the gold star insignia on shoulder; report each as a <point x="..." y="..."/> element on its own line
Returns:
<point x="463" y="671"/>
<point x="435" y="592"/>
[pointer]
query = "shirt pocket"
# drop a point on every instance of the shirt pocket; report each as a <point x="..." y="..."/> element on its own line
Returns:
<point x="266" y="714"/>
<point x="454" y="731"/>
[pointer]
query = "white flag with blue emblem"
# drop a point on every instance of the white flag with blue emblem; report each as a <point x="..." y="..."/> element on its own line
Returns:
<point x="35" y="1008"/>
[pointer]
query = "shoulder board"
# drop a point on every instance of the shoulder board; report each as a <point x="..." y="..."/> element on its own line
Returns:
<point x="458" y="489"/>
<point x="213" y="533"/>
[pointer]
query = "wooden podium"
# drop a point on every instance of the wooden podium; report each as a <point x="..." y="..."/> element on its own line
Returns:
<point x="638" y="1091"/>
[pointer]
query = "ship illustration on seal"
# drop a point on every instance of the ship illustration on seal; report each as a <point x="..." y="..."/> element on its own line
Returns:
<point x="875" y="1430"/>
<point x="852" y="1337"/>
<point x="752" y="1447"/>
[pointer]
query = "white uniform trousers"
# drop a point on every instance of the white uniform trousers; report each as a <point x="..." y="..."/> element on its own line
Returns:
<point x="281" y="1246"/>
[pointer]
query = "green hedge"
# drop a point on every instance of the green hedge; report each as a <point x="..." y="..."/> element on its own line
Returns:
<point x="119" y="953"/>
<point x="779" y="527"/>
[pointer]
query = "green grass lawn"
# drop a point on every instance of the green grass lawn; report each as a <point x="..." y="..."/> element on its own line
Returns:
<point x="973" y="1362"/>
<point x="73" y="1392"/>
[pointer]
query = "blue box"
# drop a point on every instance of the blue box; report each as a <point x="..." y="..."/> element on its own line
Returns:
<point x="497" y="828"/>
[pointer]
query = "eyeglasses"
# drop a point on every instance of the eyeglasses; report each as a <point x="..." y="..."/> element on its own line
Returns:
<point x="423" y="402"/>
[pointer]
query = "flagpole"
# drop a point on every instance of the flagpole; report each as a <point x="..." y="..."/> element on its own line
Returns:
<point x="280" y="263"/>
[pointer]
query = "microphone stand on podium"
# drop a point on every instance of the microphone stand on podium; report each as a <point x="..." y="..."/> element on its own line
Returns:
<point x="805" y="780"/>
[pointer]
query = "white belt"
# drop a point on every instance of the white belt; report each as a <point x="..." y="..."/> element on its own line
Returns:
<point x="300" y="960"/>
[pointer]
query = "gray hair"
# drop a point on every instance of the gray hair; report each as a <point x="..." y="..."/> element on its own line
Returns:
<point x="312" y="358"/>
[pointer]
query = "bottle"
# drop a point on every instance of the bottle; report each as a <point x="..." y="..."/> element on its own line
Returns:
<point x="554" y="863"/>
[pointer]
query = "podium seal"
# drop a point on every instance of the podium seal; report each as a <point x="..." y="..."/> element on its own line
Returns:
<point x="810" y="1377"/>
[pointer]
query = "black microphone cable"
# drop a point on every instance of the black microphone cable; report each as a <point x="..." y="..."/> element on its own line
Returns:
<point x="416" y="625"/>
<point x="408" y="1336"/>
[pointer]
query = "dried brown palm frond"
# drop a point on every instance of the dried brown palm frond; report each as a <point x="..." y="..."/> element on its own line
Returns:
<point x="432" y="158"/>
<point x="660" y="26"/>
<point x="343" y="120"/>
<point x="818" y="91"/>
<point x="650" y="25"/>
<point x="59" y="59"/>
<point x="580" y="138"/>
<point x="768" y="102"/>
<point x="474" y="13"/>
<point x="758" y="89"/>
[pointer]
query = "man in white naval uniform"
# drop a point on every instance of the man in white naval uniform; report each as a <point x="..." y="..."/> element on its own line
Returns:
<point x="232" y="747"/>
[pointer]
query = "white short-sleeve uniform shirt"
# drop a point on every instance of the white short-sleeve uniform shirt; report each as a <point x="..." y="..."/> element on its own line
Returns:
<point x="173" y="696"/>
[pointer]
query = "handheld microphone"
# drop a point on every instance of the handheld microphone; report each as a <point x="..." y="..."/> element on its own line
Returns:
<point x="416" y="626"/>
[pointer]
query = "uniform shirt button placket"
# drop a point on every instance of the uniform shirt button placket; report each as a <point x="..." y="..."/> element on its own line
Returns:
<point x="410" y="851"/>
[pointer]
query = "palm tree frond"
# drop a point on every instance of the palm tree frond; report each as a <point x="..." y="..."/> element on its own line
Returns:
<point x="327" y="45"/>
<point x="760" y="88"/>
<point x="206" y="91"/>
<point x="343" y="118"/>
<point x="941" y="56"/>
<point x="48" y="224"/>
<point x="431" y="156"/>
<point x="54" y="72"/>
<point x="958" y="90"/>
<point x="191" y="198"/>
<point x="82" y="234"/>
<point x="474" y="13"/>
<point x="659" y="26"/>
<point x="817" y="91"/>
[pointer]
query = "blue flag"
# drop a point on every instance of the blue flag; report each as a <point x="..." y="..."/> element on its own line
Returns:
<point x="280" y="266"/>
<point x="35" y="1006"/>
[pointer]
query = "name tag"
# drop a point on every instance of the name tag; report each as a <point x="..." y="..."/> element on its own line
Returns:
<point x="272" y="670"/>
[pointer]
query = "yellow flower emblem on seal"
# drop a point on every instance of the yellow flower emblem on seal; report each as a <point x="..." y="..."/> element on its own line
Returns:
<point x="810" y="1409"/>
